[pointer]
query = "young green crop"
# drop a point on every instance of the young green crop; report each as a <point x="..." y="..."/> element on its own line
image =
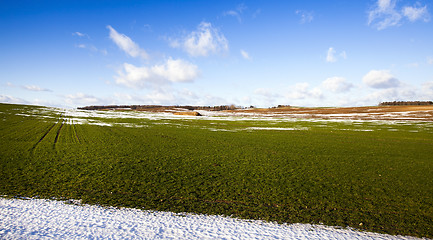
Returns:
<point x="333" y="173"/>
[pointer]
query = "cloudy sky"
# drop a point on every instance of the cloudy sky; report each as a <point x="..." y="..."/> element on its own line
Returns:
<point x="262" y="53"/>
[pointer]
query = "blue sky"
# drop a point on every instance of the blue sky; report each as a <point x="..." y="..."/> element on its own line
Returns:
<point x="261" y="53"/>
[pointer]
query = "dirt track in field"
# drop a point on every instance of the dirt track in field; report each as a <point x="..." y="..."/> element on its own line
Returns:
<point x="407" y="113"/>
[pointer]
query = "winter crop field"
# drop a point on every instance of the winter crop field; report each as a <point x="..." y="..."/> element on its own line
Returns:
<point x="369" y="175"/>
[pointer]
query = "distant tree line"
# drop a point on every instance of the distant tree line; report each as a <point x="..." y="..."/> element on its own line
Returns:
<point x="160" y="107"/>
<point x="400" y="103"/>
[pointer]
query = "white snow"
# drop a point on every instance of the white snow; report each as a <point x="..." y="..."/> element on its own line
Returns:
<point x="276" y="128"/>
<point x="48" y="219"/>
<point x="260" y="120"/>
<point x="234" y="116"/>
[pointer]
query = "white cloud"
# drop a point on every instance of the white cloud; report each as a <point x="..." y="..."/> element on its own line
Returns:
<point x="204" y="41"/>
<point x="380" y="79"/>
<point x="343" y="54"/>
<point x="17" y="100"/>
<point x="126" y="44"/>
<point x="79" y="34"/>
<point x="330" y="57"/>
<point x="430" y="60"/>
<point x="92" y="48"/>
<point x="267" y="97"/>
<point x="104" y="52"/>
<point x="82" y="99"/>
<point x="154" y="97"/>
<point x="413" y="65"/>
<point x="176" y="71"/>
<point x="245" y="55"/>
<point x="385" y="5"/>
<point x="265" y="92"/>
<point x="233" y="14"/>
<point x="414" y="14"/>
<point x="427" y="88"/>
<point x="132" y="76"/>
<point x="11" y="99"/>
<point x="158" y="97"/>
<point x="306" y="17"/>
<point x="171" y="71"/>
<point x="301" y="94"/>
<point x="236" y="13"/>
<point x="385" y="14"/>
<point x="36" y="88"/>
<point x="171" y="96"/>
<point x="393" y="94"/>
<point x="337" y="84"/>
<point x="188" y="93"/>
<point x="316" y="93"/>
<point x="29" y="87"/>
<point x="257" y="12"/>
<point x="302" y="91"/>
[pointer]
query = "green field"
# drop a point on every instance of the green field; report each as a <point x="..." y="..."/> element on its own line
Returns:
<point x="370" y="175"/>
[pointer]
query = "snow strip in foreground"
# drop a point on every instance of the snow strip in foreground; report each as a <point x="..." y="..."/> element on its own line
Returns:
<point x="47" y="219"/>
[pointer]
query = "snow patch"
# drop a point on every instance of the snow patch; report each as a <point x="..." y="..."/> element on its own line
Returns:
<point x="48" y="219"/>
<point x="276" y="128"/>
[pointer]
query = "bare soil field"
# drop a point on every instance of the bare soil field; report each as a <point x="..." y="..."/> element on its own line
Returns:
<point x="416" y="113"/>
<point x="399" y="112"/>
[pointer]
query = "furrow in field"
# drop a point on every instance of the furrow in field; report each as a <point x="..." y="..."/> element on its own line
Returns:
<point x="58" y="132"/>
<point x="43" y="136"/>
<point x="75" y="132"/>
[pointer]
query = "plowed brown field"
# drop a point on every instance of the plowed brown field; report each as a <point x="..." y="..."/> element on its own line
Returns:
<point x="416" y="113"/>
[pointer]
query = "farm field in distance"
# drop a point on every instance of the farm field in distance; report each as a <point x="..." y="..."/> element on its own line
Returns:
<point x="319" y="166"/>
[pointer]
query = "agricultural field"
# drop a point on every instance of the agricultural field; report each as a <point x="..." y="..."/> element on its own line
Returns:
<point x="367" y="174"/>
